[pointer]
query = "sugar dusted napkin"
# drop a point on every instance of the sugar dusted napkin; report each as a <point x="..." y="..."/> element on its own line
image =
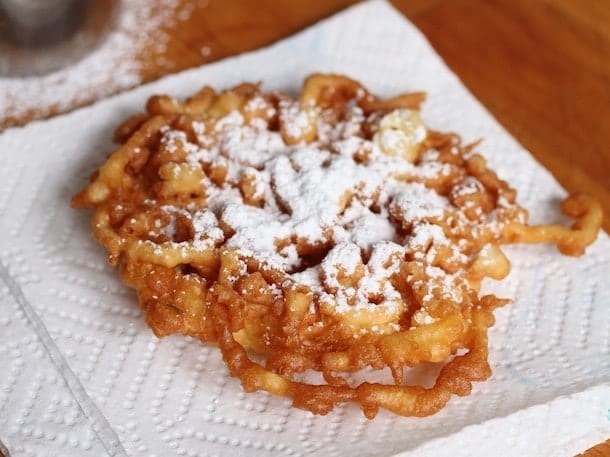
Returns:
<point x="82" y="375"/>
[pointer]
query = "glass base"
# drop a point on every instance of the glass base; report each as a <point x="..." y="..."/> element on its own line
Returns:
<point x="33" y="45"/>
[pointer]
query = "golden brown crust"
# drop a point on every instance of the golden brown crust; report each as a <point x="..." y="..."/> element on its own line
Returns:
<point x="153" y="201"/>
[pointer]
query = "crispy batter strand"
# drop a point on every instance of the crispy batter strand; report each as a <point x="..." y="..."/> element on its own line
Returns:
<point x="328" y="234"/>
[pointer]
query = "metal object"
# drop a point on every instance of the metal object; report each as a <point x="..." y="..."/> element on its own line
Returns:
<point x="41" y="36"/>
<point x="40" y="23"/>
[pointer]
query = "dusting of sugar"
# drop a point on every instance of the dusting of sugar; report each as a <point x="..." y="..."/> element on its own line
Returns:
<point x="206" y="230"/>
<point x="363" y="216"/>
<point x="256" y="234"/>
<point x="344" y="258"/>
<point x="429" y="155"/>
<point x="173" y="140"/>
<point x="309" y="277"/>
<point x="257" y="103"/>
<point x="422" y="317"/>
<point x="364" y="227"/>
<point x="442" y="284"/>
<point x="374" y="289"/>
<point x="349" y="129"/>
<point x="417" y="202"/>
<point x="470" y="185"/>
<point x="294" y="119"/>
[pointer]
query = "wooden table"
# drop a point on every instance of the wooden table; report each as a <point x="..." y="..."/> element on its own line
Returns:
<point x="541" y="67"/>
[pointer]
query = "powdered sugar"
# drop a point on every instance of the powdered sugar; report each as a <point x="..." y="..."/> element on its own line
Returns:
<point x="417" y="202"/>
<point x="295" y="120"/>
<point x="370" y="288"/>
<point x="440" y="285"/>
<point x="256" y="234"/>
<point x="365" y="228"/>
<point x="315" y="195"/>
<point x="285" y="204"/>
<point x="206" y="231"/>
<point x="343" y="259"/>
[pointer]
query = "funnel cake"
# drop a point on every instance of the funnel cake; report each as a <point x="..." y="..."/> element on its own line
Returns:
<point x="327" y="234"/>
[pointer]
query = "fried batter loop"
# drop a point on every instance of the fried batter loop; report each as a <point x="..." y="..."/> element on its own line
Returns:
<point x="329" y="233"/>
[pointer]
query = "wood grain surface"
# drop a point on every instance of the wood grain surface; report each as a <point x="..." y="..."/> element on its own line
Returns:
<point x="541" y="67"/>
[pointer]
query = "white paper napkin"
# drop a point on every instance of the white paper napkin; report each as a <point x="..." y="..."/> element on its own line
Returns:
<point x="82" y="375"/>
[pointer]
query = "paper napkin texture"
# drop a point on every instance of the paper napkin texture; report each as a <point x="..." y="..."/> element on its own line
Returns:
<point x="82" y="375"/>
